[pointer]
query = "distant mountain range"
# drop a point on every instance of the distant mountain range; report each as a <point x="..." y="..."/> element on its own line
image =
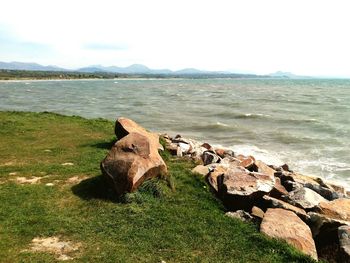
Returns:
<point x="28" y="66"/>
<point x="133" y="69"/>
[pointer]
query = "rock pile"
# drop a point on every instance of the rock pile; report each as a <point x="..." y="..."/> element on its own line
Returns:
<point x="309" y="213"/>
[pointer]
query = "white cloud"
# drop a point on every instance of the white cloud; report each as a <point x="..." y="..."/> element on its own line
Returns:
<point x="305" y="37"/>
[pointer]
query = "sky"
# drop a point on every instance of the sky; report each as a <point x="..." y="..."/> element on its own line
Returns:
<point x="306" y="37"/>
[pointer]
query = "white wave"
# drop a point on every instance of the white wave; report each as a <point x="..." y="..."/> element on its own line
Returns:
<point x="222" y="124"/>
<point x="258" y="153"/>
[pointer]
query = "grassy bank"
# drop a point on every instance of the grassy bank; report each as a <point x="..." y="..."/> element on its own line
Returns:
<point x="183" y="224"/>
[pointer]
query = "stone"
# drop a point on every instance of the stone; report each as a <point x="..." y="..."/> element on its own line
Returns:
<point x="209" y="157"/>
<point x="220" y="152"/>
<point x="230" y="161"/>
<point x="336" y="209"/>
<point x="257" y="212"/>
<point x="240" y="214"/>
<point x="264" y="168"/>
<point x="172" y="148"/>
<point x="207" y="146"/>
<point x="323" y="225"/>
<point x="304" y="198"/>
<point x="285" y="167"/>
<point x="215" y="177"/>
<point x="241" y="190"/>
<point x="286" y="225"/>
<point x="270" y="202"/>
<point x="201" y="169"/>
<point x="185" y="147"/>
<point x="134" y="158"/>
<point x="344" y="242"/>
<point x="248" y="162"/>
<point x="278" y="189"/>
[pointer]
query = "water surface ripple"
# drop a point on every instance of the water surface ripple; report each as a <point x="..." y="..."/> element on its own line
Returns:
<point x="304" y="123"/>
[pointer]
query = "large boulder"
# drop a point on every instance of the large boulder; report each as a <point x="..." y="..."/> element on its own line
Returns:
<point x="134" y="158"/>
<point x="336" y="209"/>
<point x="242" y="189"/>
<point x="304" y="198"/>
<point x="270" y="202"/>
<point x="282" y="224"/>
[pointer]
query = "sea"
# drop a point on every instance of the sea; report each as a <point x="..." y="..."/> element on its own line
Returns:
<point x="304" y="123"/>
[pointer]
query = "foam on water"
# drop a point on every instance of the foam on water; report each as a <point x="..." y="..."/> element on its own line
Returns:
<point x="258" y="153"/>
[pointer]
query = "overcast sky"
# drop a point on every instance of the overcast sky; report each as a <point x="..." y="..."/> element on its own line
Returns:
<point x="309" y="37"/>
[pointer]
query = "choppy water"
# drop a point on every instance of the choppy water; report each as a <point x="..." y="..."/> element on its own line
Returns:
<point x="304" y="123"/>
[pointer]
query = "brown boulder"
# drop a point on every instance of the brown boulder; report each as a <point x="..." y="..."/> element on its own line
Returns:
<point x="282" y="224"/>
<point x="264" y="168"/>
<point x="271" y="202"/>
<point x="242" y="189"/>
<point x="336" y="209"/>
<point x="133" y="158"/>
<point x="304" y="198"/>
<point x="215" y="177"/>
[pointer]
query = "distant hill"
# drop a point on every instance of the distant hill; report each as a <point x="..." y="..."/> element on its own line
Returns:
<point x="28" y="66"/>
<point x="288" y="75"/>
<point x="135" y="69"/>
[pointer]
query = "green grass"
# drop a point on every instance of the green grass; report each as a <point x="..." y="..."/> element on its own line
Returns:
<point x="175" y="220"/>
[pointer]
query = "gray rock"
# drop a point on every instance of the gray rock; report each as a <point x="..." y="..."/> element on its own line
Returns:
<point x="344" y="242"/>
<point x="304" y="198"/>
<point x="209" y="157"/>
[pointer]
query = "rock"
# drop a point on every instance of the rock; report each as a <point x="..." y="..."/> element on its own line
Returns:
<point x="263" y="168"/>
<point x="172" y="148"/>
<point x="270" y="202"/>
<point x="133" y="158"/>
<point x="201" y="169"/>
<point x="215" y="178"/>
<point x="185" y="148"/>
<point x="224" y="153"/>
<point x="344" y="242"/>
<point x="278" y="189"/>
<point x="322" y="224"/>
<point x="285" y="167"/>
<point x="336" y="209"/>
<point x="304" y="198"/>
<point x="220" y="152"/>
<point x="292" y="181"/>
<point x="209" y="157"/>
<point x="230" y="161"/>
<point x="241" y="190"/>
<point x="248" y="163"/>
<point x="240" y="214"/>
<point x="325" y="232"/>
<point x="257" y="212"/>
<point x="207" y="146"/>
<point x="283" y="224"/>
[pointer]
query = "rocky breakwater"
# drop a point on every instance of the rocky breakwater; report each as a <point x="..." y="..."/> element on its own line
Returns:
<point x="307" y="212"/>
<point x="134" y="158"/>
